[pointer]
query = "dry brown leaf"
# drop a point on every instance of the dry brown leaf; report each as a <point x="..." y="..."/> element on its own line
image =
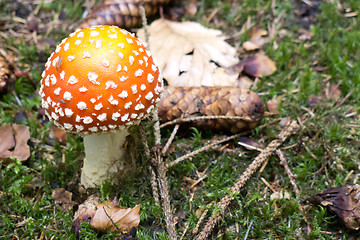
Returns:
<point x="259" y="65"/>
<point x="250" y="144"/>
<point x="59" y="134"/>
<point x="4" y="75"/>
<point x="14" y="136"/>
<point x="250" y="46"/>
<point x="273" y="105"/>
<point x="109" y="217"/>
<point x="85" y="213"/>
<point x="63" y="198"/>
<point x="244" y="82"/>
<point x="259" y="37"/>
<point x="282" y="194"/>
<point x="343" y="201"/>
<point x="191" y="55"/>
<point x="332" y="91"/>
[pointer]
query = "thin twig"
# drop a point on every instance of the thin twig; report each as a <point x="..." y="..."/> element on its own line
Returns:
<point x="171" y="138"/>
<point x="343" y="100"/>
<point x="154" y="186"/>
<point x="201" y="219"/>
<point x="206" y="147"/>
<point x="248" y="230"/>
<point x="225" y="202"/>
<point x="291" y="176"/>
<point x="164" y="193"/>
<point x="200" y="118"/>
<point x="145" y="26"/>
<point x="158" y="160"/>
<point x="153" y="183"/>
<point x="202" y="149"/>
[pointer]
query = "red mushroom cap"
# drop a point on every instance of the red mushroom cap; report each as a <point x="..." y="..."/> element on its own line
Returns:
<point x="98" y="79"/>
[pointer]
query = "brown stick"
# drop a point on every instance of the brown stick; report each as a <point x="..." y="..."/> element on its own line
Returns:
<point x="158" y="162"/>
<point x="288" y="171"/>
<point x="164" y="193"/>
<point x="224" y="203"/>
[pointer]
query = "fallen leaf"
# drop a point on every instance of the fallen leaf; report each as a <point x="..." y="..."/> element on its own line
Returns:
<point x="4" y="75"/>
<point x="85" y="213"/>
<point x="343" y="201"/>
<point x="274" y="105"/>
<point x="63" y="198"/>
<point x="332" y="91"/>
<point x="190" y="54"/>
<point x="244" y="82"/>
<point x="314" y="100"/>
<point x="59" y="134"/>
<point x="250" y="46"/>
<point x="14" y="137"/>
<point x="250" y="144"/>
<point x="109" y="217"/>
<point x="259" y="65"/>
<point x="280" y="195"/>
<point x="258" y="37"/>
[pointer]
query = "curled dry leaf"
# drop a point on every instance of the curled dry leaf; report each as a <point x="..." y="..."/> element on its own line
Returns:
<point x="59" y="134"/>
<point x="85" y="213"/>
<point x="109" y="217"/>
<point x="343" y="201"/>
<point x="273" y="105"/>
<point x="244" y="82"/>
<point x="178" y="102"/>
<point x="282" y="194"/>
<point x="4" y="75"/>
<point x="14" y="137"/>
<point x="258" y="37"/>
<point x="259" y="65"/>
<point x="332" y="91"/>
<point x="190" y="54"/>
<point x="63" y="198"/>
<point x="250" y="144"/>
<point x="122" y="13"/>
<point x="250" y="46"/>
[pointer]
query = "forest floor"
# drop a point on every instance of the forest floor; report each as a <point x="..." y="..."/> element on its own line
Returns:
<point x="315" y="45"/>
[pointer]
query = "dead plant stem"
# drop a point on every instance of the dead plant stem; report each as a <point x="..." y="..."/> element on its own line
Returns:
<point x="164" y="193"/>
<point x="200" y="118"/>
<point x="202" y="149"/>
<point x="171" y="138"/>
<point x="158" y="161"/>
<point x="291" y="176"/>
<point x="224" y="203"/>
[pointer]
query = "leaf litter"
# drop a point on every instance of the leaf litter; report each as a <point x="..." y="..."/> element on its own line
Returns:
<point x="13" y="142"/>
<point x="190" y="54"/>
<point x="106" y="216"/>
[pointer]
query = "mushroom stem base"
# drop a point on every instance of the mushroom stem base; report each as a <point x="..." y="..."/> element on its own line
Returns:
<point x="104" y="155"/>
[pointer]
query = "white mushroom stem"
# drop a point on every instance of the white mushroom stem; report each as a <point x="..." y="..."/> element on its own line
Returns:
<point x="104" y="155"/>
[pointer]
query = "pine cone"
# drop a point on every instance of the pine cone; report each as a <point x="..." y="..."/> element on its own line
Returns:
<point x="122" y="13"/>
<point x="178" y="102"/>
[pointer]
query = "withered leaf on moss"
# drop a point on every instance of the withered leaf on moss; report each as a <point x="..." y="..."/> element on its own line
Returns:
<point x="13" y="142"/>
<point x="110" y="217"/>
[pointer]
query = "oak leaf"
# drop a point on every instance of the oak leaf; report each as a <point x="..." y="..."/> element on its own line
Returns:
<point x="109" y="217"/>
<point x="190" y="54"/>
<point x="13" y="142"/>
<point x="63" y="198"/>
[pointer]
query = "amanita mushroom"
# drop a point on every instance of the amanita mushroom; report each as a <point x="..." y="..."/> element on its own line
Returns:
<point x="98" y="82"/>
